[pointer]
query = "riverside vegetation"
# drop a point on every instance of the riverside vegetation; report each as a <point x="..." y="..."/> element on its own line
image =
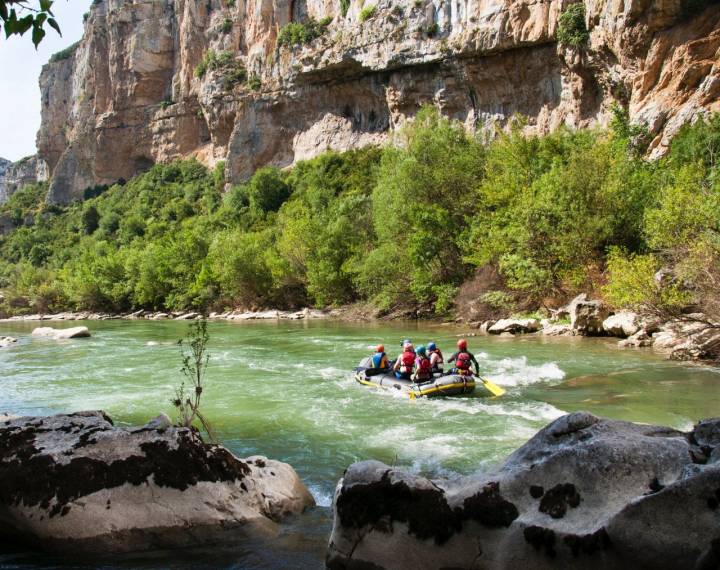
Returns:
<point x="401" y="227"/>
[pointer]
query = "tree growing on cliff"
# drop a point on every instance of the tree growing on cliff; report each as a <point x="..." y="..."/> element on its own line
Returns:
<point x="20" y="16"/>
<point x="195" y="358"/>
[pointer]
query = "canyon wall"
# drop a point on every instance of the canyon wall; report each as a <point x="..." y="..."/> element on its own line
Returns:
<point x="131" y="94"/>
<point x="15" y="175"/>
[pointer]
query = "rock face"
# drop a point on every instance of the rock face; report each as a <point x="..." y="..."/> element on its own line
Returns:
<point x="15" y="175"/>
<point x="128" y="95"/>
<point x="584" y="493"/>
<point x="61" y="334"/>
<point x="76" y="482"/>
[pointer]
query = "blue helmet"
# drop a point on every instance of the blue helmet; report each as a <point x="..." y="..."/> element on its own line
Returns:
<point x="421" y="350"/>
<point x="432" y="346"/>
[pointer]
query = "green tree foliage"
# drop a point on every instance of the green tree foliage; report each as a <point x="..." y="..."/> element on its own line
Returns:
<point x="20" y="16"/>
<point x="403" y="227"/>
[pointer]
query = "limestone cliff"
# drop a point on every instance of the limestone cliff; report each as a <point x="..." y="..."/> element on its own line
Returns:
<point x="15" y="175"/>
<point x="130" y="96"/>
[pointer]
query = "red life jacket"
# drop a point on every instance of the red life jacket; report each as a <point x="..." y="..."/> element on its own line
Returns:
<point x="407" y="360"/>
<point x="463" y="361"/>
<point x="424" y="368"/>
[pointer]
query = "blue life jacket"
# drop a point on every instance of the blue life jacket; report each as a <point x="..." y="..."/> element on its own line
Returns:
<point x="379" y="360"/>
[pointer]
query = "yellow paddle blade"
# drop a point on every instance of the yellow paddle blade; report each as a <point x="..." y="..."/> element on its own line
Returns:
<point x="494" y="389"/>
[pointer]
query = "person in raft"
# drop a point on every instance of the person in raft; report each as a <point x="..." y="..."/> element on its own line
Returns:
<point x="436" y="357"/>
<point x="405" y="363"/>
<point x="380" y="360"/>
<point x="463" y="360"/>
<point x="423" y="368"/>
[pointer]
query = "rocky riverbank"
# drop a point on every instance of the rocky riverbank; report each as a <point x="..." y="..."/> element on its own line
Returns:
<point x="585" y="492"/>
<point x="690" y="337"/>
<point x="77" y="482"/>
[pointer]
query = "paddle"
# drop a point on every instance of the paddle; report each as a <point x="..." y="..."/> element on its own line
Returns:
<point x="494" y="389"/>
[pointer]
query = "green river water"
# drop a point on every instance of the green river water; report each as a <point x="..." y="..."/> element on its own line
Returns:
<point x="285" y="390"/>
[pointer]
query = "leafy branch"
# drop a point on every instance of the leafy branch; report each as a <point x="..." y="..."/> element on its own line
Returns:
<point x="18" y="16"/>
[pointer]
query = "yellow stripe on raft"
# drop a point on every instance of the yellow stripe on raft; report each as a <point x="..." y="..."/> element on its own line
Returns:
<point x="443" y="388"/>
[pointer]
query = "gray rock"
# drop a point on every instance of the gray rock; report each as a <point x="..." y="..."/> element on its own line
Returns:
<point x="162" y="421"/>
<point x="515" y="326"/>
<point x="78" y="483"/>
<point x="557" y="330"/>
<point x="639" y="339"/>
<point x="622" y="324"/>
<point x="6" y="341"/>
<point x="586" y="317"/>
<point x="585" y="493"/>
<point x="61" y="334"/>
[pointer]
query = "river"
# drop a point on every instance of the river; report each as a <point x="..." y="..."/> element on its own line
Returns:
<point x="285" y="390"/>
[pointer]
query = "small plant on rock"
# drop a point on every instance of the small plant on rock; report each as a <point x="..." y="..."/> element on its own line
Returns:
<point x="367" y="13"/>
<point x="571" y="27"/>
<point x="195" y="358"/>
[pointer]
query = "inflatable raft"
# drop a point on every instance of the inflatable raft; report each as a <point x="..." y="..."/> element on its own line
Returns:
<point x="440" y="385"/>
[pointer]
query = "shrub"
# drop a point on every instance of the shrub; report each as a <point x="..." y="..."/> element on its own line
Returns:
<point x="367" y="12"/>
<point x="66" y="53"/>
<point x="296" y="33"/>
<point x="571" y="29"/>
<point x="227" y="26"/>
<point x="254" y="83"/>
<point x="344" y="7"/>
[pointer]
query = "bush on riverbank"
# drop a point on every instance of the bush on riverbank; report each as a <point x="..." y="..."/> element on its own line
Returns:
<point x="403" y="227"/>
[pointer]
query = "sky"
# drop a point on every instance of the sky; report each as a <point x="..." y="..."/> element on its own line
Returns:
<point x="20" y="66"/>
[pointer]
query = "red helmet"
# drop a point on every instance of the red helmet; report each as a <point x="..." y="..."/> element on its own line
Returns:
<point x="462" y="344"/>
<point x="380" y="348"/>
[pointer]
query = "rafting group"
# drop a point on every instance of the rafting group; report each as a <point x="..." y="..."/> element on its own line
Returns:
<point x="421" y="372"/>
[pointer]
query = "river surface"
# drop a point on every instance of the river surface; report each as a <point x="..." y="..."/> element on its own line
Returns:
<point x="285" y="390"/>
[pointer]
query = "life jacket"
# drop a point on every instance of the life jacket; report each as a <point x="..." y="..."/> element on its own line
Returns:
<point x="379" y="360"/>
<point x="440" y="355"/>
<point x="423" y="368"/>
<point x="463" y="362"/>
<point x="407" y="361"/>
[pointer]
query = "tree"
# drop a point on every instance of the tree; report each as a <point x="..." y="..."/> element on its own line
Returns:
<point x="19" y="16"/>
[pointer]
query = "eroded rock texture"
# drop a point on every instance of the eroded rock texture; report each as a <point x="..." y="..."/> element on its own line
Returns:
<point x="76" y="482"/>
<point x="15" y="175"/>
<point x="585" y="492"/>
<point x="128" y="96"/>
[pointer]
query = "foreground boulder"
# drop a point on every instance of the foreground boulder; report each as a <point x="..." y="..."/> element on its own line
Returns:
<point x="76" y="482"/>
<point x="585" y="493"/>
<point x="61" y="334"/>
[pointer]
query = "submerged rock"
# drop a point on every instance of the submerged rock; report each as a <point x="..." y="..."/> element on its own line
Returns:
<point x="61" y="334"/>
<point x="77" y="482"/>
<point x="585" y="493"/>
<point x="6" y="341"/>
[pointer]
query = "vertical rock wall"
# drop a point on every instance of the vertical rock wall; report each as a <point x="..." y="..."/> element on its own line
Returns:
<point x="129" y="95"/>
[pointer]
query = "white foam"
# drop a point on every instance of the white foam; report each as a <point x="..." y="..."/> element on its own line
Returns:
<point x="322" y="498"/>
<point x="517" y="372"/>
